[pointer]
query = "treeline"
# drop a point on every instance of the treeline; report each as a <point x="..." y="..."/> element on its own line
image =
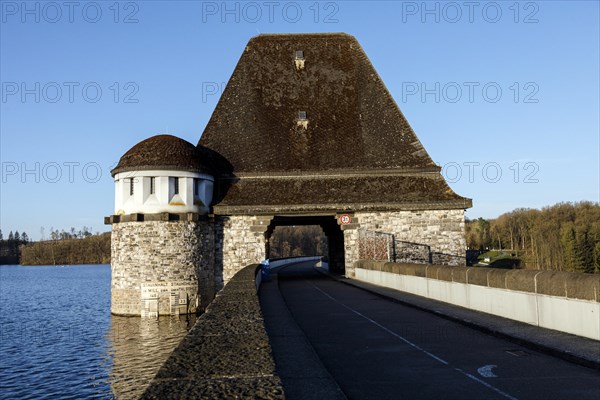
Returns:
<point x="562" y="237"/>
<point x="287" y="241"/>
<point x="9" y="247"/>
<point x="88" y="249"/>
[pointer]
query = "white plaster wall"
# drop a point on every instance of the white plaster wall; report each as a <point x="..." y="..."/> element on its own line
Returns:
<point x="578" y="317"/>
<point x="164" y="198"/>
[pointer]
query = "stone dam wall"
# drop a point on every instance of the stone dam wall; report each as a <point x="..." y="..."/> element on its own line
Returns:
<point x="226" y="355"/>
<point x="159" y="268"/>
<point x="563" y="301"/>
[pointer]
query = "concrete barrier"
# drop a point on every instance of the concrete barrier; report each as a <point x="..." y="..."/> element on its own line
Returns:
<point x="567" y="302"/>
<point x="226" y="354"/>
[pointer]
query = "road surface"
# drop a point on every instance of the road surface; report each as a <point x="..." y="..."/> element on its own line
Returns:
<point x="344" y="341"/>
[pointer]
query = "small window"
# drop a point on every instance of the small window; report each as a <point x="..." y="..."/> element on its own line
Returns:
<point x="299" y="54"/>
<point x="152" y="189"/>
<point x="175" y="185"/>
<point x="131" y="185"/>
<point x="196" y="187"/>
<point x="301" y="115"/>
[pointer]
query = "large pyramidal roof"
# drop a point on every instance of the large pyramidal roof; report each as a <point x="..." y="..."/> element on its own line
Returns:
<point x="306" y="124"/>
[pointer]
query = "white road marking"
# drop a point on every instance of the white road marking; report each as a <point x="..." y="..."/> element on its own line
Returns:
<point x="470" y="376"/>
<point x="486" y="371"/>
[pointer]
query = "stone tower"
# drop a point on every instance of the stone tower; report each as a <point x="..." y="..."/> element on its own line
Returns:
<point x="305" y="133"/>
<point x="161" y="237"/>
<point x="312" y="134"/>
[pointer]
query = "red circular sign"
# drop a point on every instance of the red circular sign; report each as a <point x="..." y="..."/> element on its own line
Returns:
<point x="344" y="219"/>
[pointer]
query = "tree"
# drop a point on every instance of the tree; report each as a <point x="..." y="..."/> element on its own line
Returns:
<point x="25" y="238"/>
<point x="54" y="234"/>
<point x="17" y="237"/>
<point x="569" y="243"/>
<point x="597" y="258"/>
<point x="11" y="236"/>
<point x="585" y="249"/>
<point x="1" y="237"/>
<point x="86" y="231"/>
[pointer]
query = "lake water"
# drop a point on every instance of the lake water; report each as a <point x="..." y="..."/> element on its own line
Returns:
<point x="59" y="340"/>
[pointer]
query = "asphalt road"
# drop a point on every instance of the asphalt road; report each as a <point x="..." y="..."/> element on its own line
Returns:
<point x="344" y="341"/>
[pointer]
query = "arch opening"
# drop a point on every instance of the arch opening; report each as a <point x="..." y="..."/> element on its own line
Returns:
<point x="334" y="243"/>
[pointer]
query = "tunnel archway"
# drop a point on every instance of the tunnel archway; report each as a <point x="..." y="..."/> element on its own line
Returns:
<point x="331" y="229"/>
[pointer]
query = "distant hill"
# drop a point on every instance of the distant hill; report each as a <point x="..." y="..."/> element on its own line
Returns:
<point x="94" y="249"/>
<point x="562" y="237"/>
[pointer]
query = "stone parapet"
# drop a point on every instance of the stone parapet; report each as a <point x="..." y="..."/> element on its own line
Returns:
<point x="226" y="354"/>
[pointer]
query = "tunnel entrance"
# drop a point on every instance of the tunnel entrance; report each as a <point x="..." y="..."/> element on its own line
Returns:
<point x="331" y="230"/>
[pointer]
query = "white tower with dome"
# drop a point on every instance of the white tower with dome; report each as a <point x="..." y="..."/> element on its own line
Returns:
<point x="161" y="241"/>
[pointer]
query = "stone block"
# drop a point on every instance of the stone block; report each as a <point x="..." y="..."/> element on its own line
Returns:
<point x="394" y="268"/>
<point x="552" y="283"/>
<point x="497" y="278"/>
<point x="413" y="269"/>
<point x="432" y="271"/>
<point x="477" y="276"/>
<point x="459" y="274"/>
<point x="445" y="273"/>
<point x="583" y="287"/>
<point x="521" y="280"/>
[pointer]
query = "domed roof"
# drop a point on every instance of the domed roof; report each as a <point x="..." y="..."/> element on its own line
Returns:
<point x="162" y="152"/>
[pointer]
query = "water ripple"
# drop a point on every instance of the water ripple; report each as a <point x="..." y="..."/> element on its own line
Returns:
<point x="58" y="339"/>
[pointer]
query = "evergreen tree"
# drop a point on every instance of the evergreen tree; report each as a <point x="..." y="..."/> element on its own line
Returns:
<point x="597" y="258"/>
<point x="11" y="237"/>
<point x="585" y="250"/>
<point x="17" y="237"/>
<point x="569" y="243"/>
<point x="1" y="237"/>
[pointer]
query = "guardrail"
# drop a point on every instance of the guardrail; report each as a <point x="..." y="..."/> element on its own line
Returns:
<point x="568" y="302"/>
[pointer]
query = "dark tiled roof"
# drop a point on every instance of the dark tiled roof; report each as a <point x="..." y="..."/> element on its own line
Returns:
<point x="162" y="152"/>
<point x="350" y="193"/>
<point x="353" y="122"/>
<point x="358" y="148"/>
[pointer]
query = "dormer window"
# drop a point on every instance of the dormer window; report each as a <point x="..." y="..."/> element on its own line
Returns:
<point x="299" y="60"/>
<point x="302" y="121"/>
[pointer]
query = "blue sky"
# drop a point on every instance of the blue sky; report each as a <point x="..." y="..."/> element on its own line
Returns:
<point x="509" y="88"/>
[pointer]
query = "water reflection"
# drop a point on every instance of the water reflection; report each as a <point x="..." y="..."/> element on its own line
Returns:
<point x="137" y="347"/>
<point x="59" y="341"/>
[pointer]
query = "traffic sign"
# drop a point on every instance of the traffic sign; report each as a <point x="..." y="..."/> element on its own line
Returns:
<point x="344" y="219"/>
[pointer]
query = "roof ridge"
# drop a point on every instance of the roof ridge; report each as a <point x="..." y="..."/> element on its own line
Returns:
<point x="301" y="34"/>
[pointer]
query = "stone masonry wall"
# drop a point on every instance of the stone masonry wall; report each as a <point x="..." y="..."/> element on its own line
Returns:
<point x="168" y="260"/>
<point x="240" y="241"/>
<point x="442" y="230"/>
